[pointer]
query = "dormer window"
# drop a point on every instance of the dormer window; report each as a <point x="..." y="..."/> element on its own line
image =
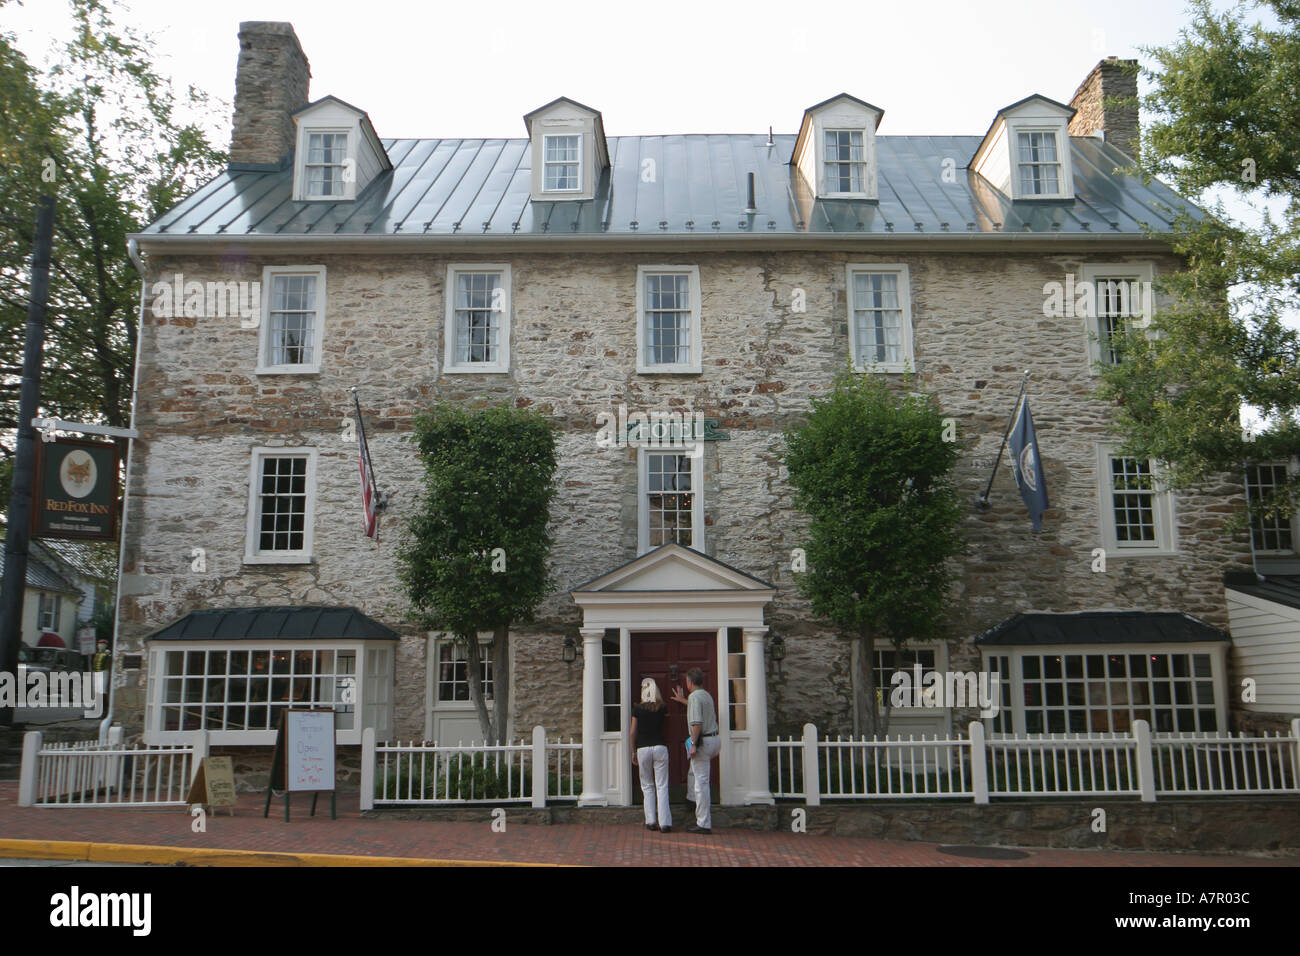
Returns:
<point x="326" y="169"/>
<point x="1039" y="162"/>
<point x="563" y="172"/>
<point x="835" y="151"/>
<point x="568" y="150"/>
<point x="1026" y="152"/>
<point x="846" y="161"/>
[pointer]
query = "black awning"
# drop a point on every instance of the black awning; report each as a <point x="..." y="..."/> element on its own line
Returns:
<point x="1281" y="589"/>
<point x="1100" y="627"/>
<point x="289" y="623"/>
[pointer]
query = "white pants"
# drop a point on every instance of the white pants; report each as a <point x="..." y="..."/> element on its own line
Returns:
<point x="698" y="783"/>
<point x="653" y="764"/>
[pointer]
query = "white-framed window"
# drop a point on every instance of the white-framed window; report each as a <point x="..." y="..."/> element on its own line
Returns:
<point x="669" y="336"/>
<point x="325" y="167"/>
<point x="1122" y="299"/>
<point x="880" y="317"/>
<point x="237" y="690"/>
<point x="888" y="660"/>
<point x="1039" y="170"/>
<point x="844" y="162"/>
<point x="671" y="499"/>
<point x="562" y="162"/>
<point x="281" y="506"/>
<point x="293" y="320"/>
<point x="478" y="319"/>
<point x="1105" y="688"/>
<point x="451" y="683"/>
<point x="1277" y="531"/>
<point x="1136" y="515"/>
<point x="47" y="613"/>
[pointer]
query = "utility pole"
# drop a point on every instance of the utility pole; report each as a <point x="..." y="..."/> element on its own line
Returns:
<point x="18" y="533"/>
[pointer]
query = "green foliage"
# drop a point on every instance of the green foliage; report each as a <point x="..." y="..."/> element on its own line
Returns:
<point x="468" y="777"/>
<point x="489" y="481"/>
<point x="1226" y="110"/>
<point x="871" y="469"/>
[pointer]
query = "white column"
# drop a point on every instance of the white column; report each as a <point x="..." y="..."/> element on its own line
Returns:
<point x="756" y="714"/>
<point x="593" y="721"/>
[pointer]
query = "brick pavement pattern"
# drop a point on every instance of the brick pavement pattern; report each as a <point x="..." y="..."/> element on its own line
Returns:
<point x="568" y="844"/>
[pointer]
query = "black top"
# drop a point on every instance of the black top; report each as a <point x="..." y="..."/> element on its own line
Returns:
<point x="649" y="726"/>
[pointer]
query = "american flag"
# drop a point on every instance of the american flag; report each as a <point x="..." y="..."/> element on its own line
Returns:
<point x="368" y="492"/>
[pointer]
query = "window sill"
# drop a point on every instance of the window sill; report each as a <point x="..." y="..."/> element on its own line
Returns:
<point x="669" y="370"/>
<point x="1114" y="551"/>
<point x="290" y="558"/>
<point x="287" y="370"/>
<point x="475" y="370"/>
<point x="883" y="369"/>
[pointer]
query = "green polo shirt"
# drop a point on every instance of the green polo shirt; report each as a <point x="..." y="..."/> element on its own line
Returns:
<point x="699" y="710"/>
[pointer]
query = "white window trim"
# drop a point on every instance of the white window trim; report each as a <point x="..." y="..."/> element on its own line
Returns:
<point x="1015" y="680"/>
<point x="905" y="304"/>
<point x="449" y="364"/>
<point x="1166" y="543"/>
<point x="581" y="165"/>
<point x="696" y="452"/>
<point x="1089" y="273"/>
<point x="155" y="689"/>
<point x="822" y="162"/>
<point x="251" y="554"/>
<point x="264" y="322"/>
<point x="1014" y="130"/>
<point x="349" y="162"/>
<point x="940" y="665"/>
<point x="1292" y="468"/>
<point x="53" y="599"/>
<point x="643" y="364"/>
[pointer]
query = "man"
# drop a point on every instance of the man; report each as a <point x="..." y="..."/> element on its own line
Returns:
<point x="102" y="657"/>
<point x="702" y="722"/>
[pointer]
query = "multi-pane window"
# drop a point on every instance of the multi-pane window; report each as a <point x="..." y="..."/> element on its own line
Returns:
<point x="888" y="661"/>
<point x="611" y="684"/>
<point x="668" y="318"/>
<point x="478" y="319"/>
<point x="1272" y="524"/>
<point x="1115" y="305"/>
<point x="670" y="499"/>
<point x="326" y="164"/>
<point x="1133" y="495"/>
<point x="879" y="318"/>
<point x="999" y="666"/>
<point x="47" y="616"/>
<point x="736" y="677"/>
<point x="238" y="690"/>
<point x="846" y="166"/>
<point x="561" y="163"/>
<point x="453" y="672"/>
<point x="1039" y="163"/>
<point x="291" y="336"/>
<point x="281" y="505"/>
<point x="1106" y="692"/>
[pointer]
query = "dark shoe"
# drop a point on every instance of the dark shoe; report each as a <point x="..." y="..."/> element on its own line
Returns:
<point x="652" y="826"/>
<point x="665" y="829"/>
<point x="694" y="829"/>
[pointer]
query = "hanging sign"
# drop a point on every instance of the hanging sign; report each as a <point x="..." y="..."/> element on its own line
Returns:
<point x="76" y="490"/>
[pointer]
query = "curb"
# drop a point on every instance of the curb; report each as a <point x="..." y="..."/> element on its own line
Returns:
<point x="185" y="856"/>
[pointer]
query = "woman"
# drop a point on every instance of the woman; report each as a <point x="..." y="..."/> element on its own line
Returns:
<point x="651" y="758"/>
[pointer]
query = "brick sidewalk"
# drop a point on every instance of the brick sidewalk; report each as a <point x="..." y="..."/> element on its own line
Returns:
<point x="573" y="844"/>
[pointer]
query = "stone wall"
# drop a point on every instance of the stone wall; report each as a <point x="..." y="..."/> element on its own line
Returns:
<point x="1107" y="100"/>
<point x="979" y="322"/>
<point x="271" y="82"/>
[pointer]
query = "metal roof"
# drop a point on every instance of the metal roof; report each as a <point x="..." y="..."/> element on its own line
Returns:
<point x="1100" y="627"/>
<point x="480" y="188"/>
<point x="1281" y="589"/>
<point x="41" y="577"/>
<point x="294" y="623"/>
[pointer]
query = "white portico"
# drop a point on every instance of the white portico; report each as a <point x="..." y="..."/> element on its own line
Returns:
<point x="658" y="615"/>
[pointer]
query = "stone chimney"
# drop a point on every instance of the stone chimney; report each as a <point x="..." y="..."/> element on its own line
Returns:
<point x="270" y="83"/>
<point x="1109" y="80"/>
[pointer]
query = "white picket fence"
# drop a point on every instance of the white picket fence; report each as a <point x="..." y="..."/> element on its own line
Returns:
<point x="979" y="766"/>
<point x="432" y="774"/>
<point x="95" y="773"/>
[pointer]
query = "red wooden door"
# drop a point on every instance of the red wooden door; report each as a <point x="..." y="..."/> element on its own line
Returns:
<point x="667" y="658"/>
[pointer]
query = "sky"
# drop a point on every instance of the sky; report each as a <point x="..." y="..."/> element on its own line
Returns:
<point x="709" y="66"/>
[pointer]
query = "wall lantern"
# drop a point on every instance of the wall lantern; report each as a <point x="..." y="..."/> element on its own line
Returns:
<point x="569" y="652"/>
<point x="776" y="651"/>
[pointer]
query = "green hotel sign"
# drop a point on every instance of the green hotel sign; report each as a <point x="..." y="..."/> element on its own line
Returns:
<point x="76" y="493"/>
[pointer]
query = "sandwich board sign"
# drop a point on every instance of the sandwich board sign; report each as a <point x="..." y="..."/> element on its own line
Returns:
<point x="304" y="757"/>
<point x="214" y="784"/>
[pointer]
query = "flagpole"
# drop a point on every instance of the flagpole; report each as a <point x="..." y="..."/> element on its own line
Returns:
<point x="379" y="502"/>
<point x="981" y="501"/>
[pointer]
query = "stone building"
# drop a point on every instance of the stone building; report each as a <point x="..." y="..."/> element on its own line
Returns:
<point x="724" y="277"/>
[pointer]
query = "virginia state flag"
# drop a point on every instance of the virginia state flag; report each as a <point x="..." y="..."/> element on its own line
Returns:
<point x="1028" y="466"/>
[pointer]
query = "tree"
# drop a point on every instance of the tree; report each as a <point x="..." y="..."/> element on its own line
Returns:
<point x="871" y="469"/>
<point x="1227" y="122"/>
<point x="101" y="131"/>
<point x="475" y="554"/>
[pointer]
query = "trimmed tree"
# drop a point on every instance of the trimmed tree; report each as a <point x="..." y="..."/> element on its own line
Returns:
<point x="871" y="469"/>
<point x="474" y="558"/>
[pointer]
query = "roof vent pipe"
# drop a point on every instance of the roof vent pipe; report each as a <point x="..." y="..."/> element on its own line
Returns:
<point x="750" y="207"/>
<point x="770" y="141"/>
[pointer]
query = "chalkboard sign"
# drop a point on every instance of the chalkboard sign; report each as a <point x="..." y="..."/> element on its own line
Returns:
<point x="303" y="758"/>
